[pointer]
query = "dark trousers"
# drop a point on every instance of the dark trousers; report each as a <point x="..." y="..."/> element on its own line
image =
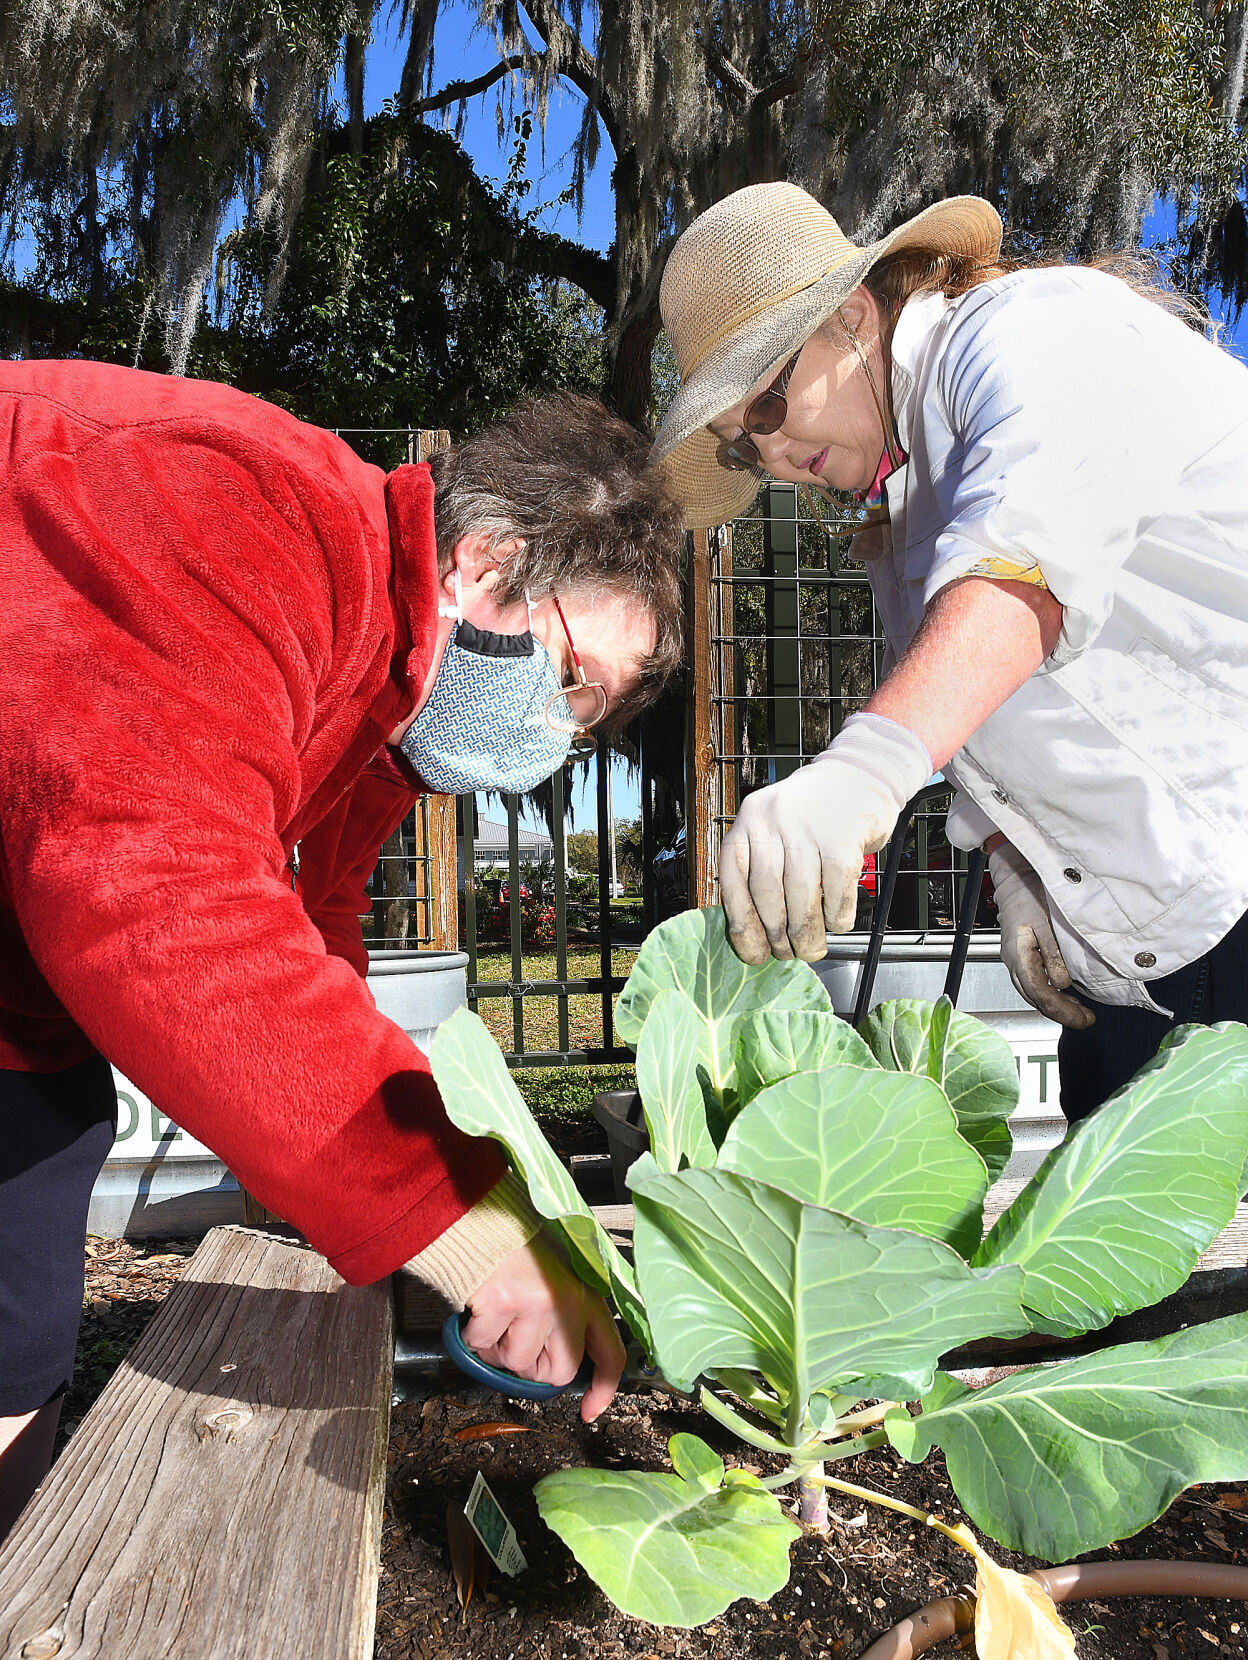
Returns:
<point x="55" y="1132"/>
<point x="1092" y="1065"/>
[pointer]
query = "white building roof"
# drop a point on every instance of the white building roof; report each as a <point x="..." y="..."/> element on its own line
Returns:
<point x="491" y="839"/>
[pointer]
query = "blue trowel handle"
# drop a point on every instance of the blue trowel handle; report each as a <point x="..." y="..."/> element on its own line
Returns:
<point x="494" y="1377"/>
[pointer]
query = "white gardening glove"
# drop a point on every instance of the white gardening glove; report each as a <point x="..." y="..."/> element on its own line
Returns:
<point x="789" y="867"/>
<point x="1028" y="947"/>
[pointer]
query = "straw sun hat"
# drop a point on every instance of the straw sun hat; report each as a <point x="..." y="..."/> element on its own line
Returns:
<point x="749" y="281"/>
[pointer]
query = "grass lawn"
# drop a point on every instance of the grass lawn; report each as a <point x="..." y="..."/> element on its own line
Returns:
<point x="560" y="1090"/>
<point x="541" y="1014"/>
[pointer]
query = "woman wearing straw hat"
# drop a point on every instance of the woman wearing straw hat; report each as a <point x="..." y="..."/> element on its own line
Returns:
<point x="1059" y="555"/>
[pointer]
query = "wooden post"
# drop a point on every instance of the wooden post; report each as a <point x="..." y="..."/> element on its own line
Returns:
<point x="436" y="872"/>
<point x="436" y="821"/>
<point x="699" y="750"/>
<point x="712" y="742"/>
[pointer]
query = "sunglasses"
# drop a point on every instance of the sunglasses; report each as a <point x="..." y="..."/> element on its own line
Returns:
<point x="586" y="701"/>
<point x="764" y="414"/>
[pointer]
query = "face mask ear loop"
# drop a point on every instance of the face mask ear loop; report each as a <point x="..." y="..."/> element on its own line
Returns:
<point x="458" y="612"/>
<point x="891" y="441"/>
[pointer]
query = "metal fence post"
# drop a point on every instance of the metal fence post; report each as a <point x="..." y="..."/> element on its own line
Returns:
<point x="784" y="662"/>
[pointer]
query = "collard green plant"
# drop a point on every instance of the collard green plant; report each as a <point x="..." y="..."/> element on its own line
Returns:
<point x="808" y="1245"/>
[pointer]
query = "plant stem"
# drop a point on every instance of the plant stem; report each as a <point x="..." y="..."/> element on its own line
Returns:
<point x="812" y="1499"/>
<point x="850" y="1449"/>
<point x="748" y="1432"/>
<point x="864" y="1419"/>
<point x="904" y="1509"/>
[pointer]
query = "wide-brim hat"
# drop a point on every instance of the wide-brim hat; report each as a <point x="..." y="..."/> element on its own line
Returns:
<point x="749" y="281"/>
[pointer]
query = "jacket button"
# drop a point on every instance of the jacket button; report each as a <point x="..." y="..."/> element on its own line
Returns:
<point x="1145" y="959"/>
<point x="1072" y="875"/>
<point x="1000" y="795"/>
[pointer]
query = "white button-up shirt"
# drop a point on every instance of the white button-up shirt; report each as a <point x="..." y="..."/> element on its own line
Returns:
<point x="1056" y="419"/>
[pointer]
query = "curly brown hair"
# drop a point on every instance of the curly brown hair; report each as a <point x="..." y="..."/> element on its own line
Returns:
<point x="570" y="480"/>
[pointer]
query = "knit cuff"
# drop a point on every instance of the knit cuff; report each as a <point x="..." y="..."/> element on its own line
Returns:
<point x="459" y="1260"/>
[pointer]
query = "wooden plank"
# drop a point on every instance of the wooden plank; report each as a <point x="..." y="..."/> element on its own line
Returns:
<point x="222" y="1499"/>
<point x="443" y="873"/>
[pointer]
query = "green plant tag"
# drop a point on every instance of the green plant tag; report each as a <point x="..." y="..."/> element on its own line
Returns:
<point x="675" y="1549"/>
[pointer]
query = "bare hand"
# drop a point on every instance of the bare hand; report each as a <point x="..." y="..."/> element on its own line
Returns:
<point x="535" y="1318"/>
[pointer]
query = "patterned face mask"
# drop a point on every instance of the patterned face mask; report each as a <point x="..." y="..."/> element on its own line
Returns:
<point x="484" y="725"/>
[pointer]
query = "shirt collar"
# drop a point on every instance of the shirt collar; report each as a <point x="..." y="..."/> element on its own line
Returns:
<point x="913" y="329"/>
<point x="413" y="569"/>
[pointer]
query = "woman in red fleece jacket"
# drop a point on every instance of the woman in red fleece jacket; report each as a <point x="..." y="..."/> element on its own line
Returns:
<point x="221" y="631"/>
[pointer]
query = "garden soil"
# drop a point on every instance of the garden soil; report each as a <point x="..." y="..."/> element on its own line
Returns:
<point x="871" y="1568"/>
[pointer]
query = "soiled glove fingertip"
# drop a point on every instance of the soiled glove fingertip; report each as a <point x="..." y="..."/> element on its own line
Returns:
<point x="750" y="945"/>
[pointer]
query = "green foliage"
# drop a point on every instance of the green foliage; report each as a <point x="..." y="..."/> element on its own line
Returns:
<point x="397" y="307"/>
<point x="1058" y="1460"/>
<point x="582" y="852"/>
<point x="695" y="1539"/>
<point x="1122" y="1226"/>
<point x="973" y="1065"/>
<point x="807" y="1238"/>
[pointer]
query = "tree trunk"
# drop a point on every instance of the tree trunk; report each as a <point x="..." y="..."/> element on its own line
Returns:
<point x="628" y="369"/>
<point x="353" y="76"/>
<point x="398" y="910"/>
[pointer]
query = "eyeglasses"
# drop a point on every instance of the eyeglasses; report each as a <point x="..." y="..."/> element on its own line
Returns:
<point x="586" y="700"/>
<point x="764" y="414"/>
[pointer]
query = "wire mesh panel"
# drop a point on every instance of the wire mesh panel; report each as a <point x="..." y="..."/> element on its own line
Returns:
<point x="793" y="647"/>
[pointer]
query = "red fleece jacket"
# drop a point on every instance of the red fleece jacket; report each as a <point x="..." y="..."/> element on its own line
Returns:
<point x="213" y="616"/>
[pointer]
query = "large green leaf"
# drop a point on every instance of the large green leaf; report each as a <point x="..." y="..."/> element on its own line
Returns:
<point x="736" y="1273"/>
<point x="1116" y="1217"/>
<point x="775" y="1043"/>
<point x="1058" y="1460"/>
<point x="668" y="1056"/>
<point x="482" y="1099"/>
<point x="973" y="1065"/>
<point x="673" y="1549"/>
<point x="880" y="1146"/>
<point x="691" y="952"/>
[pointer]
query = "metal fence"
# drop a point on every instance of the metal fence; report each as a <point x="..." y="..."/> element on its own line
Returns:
<point x="548" y="948"/>
<point x="792" y="645"/>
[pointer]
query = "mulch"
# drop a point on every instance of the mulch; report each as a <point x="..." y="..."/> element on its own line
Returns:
<point x="847" y="1587"/>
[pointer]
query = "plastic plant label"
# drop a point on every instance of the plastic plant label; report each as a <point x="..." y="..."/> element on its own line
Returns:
<point x="485" y="1515"/>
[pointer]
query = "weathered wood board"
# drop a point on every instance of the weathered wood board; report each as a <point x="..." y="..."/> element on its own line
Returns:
<point x="222" y="1499"/>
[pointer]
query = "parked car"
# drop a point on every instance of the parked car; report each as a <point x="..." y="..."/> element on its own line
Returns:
<point x="671" y="876"/>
